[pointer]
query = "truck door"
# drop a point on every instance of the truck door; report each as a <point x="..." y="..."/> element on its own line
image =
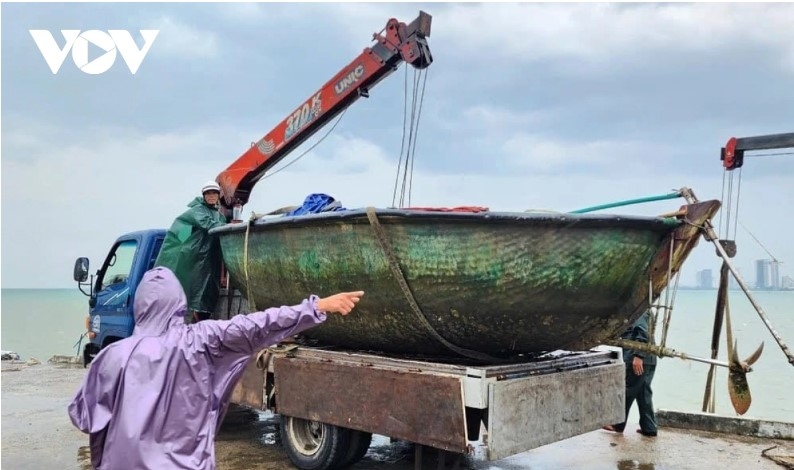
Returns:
<point x="112" y="313"/>
<point x="158" y="243"/>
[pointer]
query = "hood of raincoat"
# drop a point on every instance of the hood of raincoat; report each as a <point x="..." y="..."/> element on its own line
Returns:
<point x="160" y="303"/>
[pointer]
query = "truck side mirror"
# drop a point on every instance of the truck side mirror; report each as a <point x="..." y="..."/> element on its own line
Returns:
<point x="81" y="269"/>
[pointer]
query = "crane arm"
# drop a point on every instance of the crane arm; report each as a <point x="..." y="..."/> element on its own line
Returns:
<point x="399" y="42"/>
<point x="732" y="155"/>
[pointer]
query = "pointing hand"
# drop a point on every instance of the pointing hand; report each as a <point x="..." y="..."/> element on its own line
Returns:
<point x="341" y="303"/>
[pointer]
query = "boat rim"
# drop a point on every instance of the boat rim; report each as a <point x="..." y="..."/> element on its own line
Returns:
<point x="547" y="218"/>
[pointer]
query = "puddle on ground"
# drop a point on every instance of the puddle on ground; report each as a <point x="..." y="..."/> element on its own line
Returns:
<point x="635" y="465"/>
<point x="84" y="458"/>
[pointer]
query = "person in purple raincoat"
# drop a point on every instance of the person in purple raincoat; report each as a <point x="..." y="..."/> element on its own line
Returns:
<point x="156" y="399"/>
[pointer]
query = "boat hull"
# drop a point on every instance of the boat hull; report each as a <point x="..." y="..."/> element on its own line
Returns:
<point x="500" y="284"/>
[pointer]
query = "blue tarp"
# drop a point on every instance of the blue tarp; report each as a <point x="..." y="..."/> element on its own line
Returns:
<point x="316" y="203"/>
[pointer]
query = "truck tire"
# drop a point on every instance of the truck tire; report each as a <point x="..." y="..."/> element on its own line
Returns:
<point x="359" y="444"/>
<point x="311" y="445"/>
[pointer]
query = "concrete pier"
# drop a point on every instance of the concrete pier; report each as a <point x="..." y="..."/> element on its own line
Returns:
<point x="726" y="424"/>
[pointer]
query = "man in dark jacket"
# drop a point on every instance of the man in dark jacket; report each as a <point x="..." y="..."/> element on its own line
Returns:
<point x="193" y="255"/>
<point x="640" y="367"/>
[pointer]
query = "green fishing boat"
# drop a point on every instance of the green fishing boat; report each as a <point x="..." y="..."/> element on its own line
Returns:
<point x="476" y="284"/>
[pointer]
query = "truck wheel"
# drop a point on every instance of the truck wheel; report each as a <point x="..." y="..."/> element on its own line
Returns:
<point x="89" y="352"/>
<point x="312" y="445"/>
<point x="359" y="444"/>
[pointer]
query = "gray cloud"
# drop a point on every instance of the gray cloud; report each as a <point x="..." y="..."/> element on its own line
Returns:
<point x="184" y="41"/>
<point x="541" y="106"/>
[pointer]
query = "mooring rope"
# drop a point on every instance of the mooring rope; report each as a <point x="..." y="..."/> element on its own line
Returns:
<point x="251" y="303"/>
<point x="409" y="296"/>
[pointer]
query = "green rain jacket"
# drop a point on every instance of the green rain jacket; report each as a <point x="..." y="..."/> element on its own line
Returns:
<point x="638" y="332"/>
<point x="193" y="255"/>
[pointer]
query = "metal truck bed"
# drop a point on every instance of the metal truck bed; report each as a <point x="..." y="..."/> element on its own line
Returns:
<point x="522" y="405"/>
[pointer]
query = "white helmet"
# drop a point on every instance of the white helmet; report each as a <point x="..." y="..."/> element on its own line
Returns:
<point x="210" y="186"/>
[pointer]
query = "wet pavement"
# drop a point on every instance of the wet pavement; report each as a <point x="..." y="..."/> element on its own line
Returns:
<point x="37" y="435"/>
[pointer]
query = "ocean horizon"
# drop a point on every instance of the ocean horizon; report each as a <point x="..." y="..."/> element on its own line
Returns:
<point x="41" y="323"/>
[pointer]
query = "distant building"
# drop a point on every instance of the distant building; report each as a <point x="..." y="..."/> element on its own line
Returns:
<point x="767" y="275"/>
<point x="787" y="283"/>
<point x="704" y="279"/>
<point x="733" y="284"/>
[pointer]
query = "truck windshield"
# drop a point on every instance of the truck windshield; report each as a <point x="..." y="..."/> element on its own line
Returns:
<point x="119" y="264"/>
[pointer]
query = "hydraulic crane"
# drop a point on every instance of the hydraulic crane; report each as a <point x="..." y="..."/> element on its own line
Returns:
<point x="397" y="43"/>
<point x="732" y="155"/>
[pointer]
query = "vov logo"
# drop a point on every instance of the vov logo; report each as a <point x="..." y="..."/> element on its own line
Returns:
<point x="112" y="42"/>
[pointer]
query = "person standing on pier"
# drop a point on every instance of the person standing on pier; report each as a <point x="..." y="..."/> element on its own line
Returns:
<point x="640" y="368"/>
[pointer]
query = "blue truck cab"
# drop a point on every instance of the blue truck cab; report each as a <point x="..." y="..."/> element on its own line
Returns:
<point x="112" y="289"/>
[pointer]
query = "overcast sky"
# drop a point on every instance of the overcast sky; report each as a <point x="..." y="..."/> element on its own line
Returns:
<point x="527" y="106"/>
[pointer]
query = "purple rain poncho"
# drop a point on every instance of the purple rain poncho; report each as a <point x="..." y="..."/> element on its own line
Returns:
<point x="156" y="399"/>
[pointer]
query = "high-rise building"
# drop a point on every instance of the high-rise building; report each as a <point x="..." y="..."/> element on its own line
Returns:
<point x="733" y="283"/>
<point x="704" y="279"/>
<point x="767" y="275"/>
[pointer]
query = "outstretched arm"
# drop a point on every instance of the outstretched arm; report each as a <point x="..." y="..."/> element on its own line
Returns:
<point x="246" y="334"/>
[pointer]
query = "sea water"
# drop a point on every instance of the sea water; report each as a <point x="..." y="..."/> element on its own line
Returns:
<point x="40" y="323"/>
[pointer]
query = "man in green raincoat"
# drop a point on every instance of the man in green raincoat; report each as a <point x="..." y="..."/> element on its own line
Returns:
<point x="193" y="255"/>
<point x="640" y="368"/>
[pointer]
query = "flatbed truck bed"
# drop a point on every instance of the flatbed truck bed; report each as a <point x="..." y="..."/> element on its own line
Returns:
<point x="331" y="401"/>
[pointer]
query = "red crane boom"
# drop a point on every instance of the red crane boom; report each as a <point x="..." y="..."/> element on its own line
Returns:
<point x="396" y="44"/>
